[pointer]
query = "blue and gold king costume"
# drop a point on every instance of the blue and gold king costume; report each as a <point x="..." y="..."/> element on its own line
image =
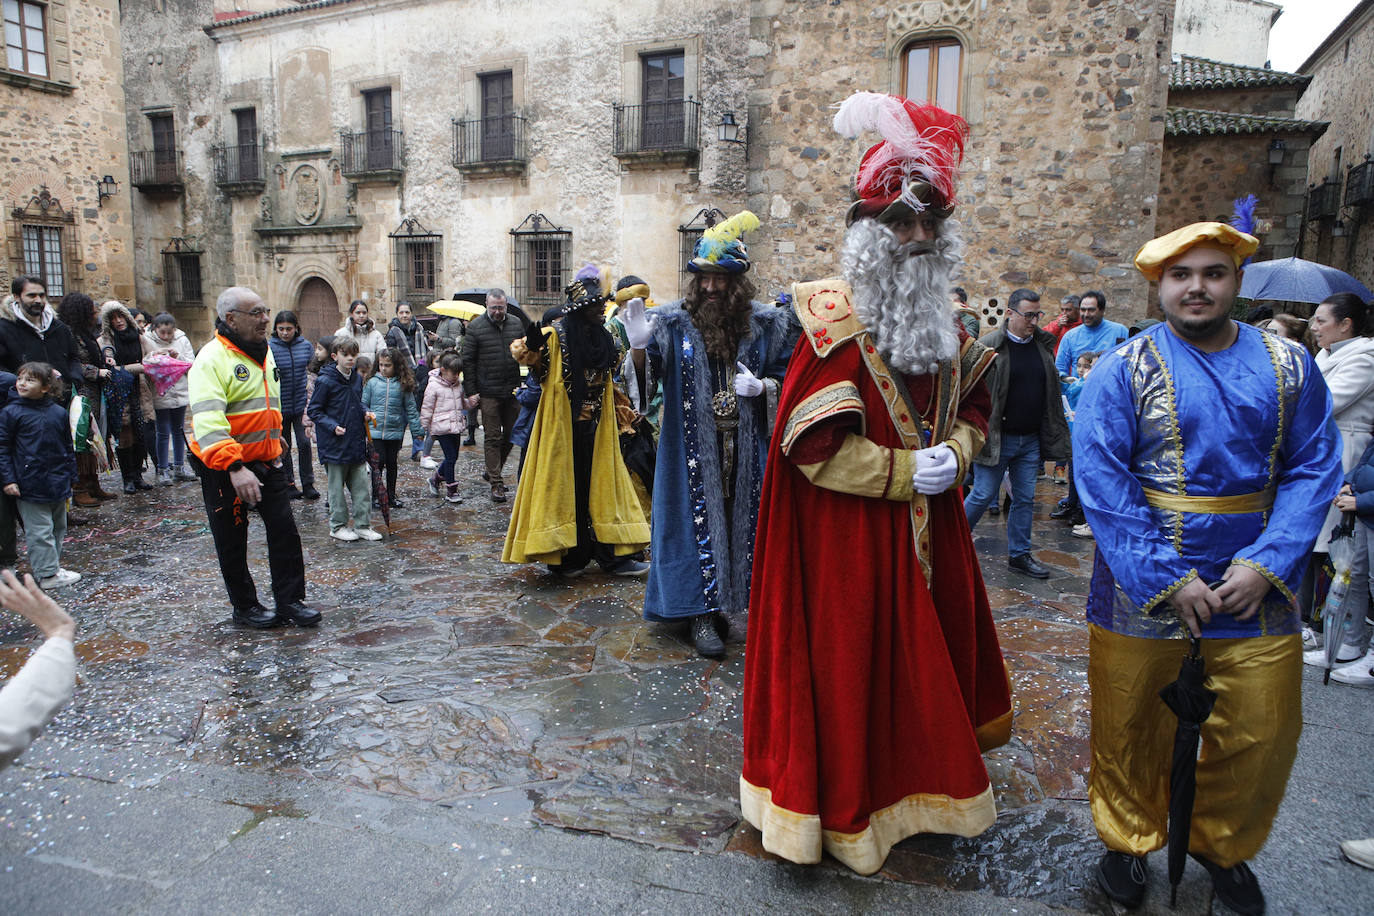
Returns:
<point x="1188" y="462"/>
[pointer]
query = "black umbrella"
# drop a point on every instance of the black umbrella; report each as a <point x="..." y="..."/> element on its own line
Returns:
<point x="374" y="467"/>
<point x="1192" y="703"/>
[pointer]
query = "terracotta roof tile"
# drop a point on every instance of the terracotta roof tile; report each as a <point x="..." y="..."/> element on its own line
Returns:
<point x="1197" y="122"/>
<point x="1200" y="73"/>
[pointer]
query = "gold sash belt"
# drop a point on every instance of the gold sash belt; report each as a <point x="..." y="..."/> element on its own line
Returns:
<point x="1239" y="504"/>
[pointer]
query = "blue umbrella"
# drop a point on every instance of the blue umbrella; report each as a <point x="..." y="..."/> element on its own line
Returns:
<point x="1296" y="280"/>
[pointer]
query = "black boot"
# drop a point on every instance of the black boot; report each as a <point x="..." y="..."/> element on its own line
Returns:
<point x="705" y="638"/>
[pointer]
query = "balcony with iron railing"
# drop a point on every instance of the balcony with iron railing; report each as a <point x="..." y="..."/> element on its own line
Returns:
<point x="492" y="146"/>
<point x="658" y="133"/>
<point x="157" y="171"/>
<point x="1359" y="184"/>
<point x="373" y="156"/>
<point x="1324" y="200"/>
<point x="239" y="169"/>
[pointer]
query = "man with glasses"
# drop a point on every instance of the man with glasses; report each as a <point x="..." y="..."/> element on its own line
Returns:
<point x="1025" y="426"/>
<point x="1095" y="335"/>
<point x="236" y="446"/>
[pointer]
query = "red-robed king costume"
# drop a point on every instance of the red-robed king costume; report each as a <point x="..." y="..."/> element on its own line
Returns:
<point x="873" y="679"/>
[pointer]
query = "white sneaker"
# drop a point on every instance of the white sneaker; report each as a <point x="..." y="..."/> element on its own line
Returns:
<point x="62" y="577"/>
<point x="428" y="463"/>
<point x="1082" y="531"/>
<point x="1317" y="657"/>
<point x="1311" y="639"/>
<point x="1361" y="852"/>
<point x="344" y="534"/>
<point x="1357" y="674"/>
<point x="367" y="534"/>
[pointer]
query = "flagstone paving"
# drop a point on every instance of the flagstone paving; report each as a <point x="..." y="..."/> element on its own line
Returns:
<point x="504" y="695"/>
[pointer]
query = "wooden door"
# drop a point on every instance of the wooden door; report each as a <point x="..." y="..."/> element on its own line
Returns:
<point x="663" y="122"/>
<point x="318" y="309"/>
<point x="246" y="137"/>
<point x="498" y="125"/>
<point x="377" y="103"/>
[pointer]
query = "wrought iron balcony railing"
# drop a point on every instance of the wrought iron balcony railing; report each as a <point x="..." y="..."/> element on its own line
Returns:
<point x="377" y="154"/>
<point x="658" y="127"/>
<point x="491" y="141"/>
<point x="1324" y="200"/>
<point x="157" y="170"/>
<point x="1359" y="184"/>
<point x="239" y="166"/>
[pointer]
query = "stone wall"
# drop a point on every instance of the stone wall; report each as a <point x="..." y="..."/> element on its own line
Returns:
<point x="1065" y="102"/>
<point x="172" y="68"/>
<point x="1342" y="92"/>
<point x="1233" y="31"/>
<point x="304" y="73"/>
<point x="1276" y="102"/>
<point x="58" y="134"/>
<point x="1202" y="177"/>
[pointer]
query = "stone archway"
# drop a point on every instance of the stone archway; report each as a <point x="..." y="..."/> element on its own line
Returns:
<point x="317" y="307"/>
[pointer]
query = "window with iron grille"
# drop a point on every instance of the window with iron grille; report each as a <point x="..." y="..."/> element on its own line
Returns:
<point x="415" y="259"/>
<point x="43" y="258"/>
<point x="181" y="274"/>
<point x="541" y="253"/>
<point x="688" y="234"/>
<point x="41" y="242"/>
<point x="26" y="45"/>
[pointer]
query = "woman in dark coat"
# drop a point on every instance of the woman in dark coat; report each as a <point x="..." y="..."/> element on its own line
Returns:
<point x="128" y="396"/>
<point x="77" y="312"/>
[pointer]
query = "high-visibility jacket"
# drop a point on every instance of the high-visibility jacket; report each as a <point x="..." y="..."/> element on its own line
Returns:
<point x="235" y="406"/>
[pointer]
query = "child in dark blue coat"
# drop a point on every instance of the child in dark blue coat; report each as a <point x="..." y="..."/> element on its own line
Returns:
<point x="293" y="353"/>
<point x="336" y="409"/>
<point x="38" y="468"/>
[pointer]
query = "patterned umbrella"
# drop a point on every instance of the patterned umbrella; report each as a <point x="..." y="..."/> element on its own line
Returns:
<point x="165" y="371"/>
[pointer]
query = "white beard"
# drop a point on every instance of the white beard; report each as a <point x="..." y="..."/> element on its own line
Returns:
<point x="903" y="298"/>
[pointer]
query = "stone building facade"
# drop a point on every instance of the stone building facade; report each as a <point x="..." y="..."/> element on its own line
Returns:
<point x="1230" y="131"/>
<point x="1065" y="101"/>
<point x="1339" y="227"/>
<point x="61" y="130"/>
<point x="371" y="173"/>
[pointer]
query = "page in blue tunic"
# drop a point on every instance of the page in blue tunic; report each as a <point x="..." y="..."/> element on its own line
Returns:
<point x="1161" y="414"/>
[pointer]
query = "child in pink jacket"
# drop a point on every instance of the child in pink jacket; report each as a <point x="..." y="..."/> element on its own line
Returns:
<point x="444" y="414"/>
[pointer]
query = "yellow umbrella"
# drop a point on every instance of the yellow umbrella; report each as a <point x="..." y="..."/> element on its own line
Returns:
<point x="457" y="309"/>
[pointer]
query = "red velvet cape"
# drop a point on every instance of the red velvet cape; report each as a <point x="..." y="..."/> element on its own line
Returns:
<point x="866" y="692"/>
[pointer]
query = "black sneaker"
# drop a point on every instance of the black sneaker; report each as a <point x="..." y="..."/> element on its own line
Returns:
<point x="1237" y="887"/>
<point x="1123" y="877"/>
<point x="310" y="493"/>
<point x="293" y="493"/>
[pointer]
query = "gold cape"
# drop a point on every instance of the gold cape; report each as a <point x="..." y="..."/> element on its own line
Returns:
<point x="543" y="519"/>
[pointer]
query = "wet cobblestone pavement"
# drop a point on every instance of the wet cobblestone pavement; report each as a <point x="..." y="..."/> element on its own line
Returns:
<point x="511" y="697"/>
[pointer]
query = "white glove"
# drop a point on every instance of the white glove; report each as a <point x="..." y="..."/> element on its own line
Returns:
<point x="936" y="468"/>
<point x="747" y="385"/>
<point x="637" y="329"/>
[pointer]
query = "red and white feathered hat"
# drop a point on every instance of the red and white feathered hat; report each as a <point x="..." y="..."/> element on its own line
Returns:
<point x="916" y="165"/>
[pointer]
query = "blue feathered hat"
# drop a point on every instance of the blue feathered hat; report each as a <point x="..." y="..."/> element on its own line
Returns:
<point x="721" y="249"/>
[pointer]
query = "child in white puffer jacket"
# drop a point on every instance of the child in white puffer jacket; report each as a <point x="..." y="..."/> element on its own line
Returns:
<point x="444" y="416"/>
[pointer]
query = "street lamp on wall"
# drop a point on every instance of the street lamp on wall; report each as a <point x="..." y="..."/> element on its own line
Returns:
<point x="104" y="188"/>
<point x="1276" y="150"/>
<point x="728" y="130"/>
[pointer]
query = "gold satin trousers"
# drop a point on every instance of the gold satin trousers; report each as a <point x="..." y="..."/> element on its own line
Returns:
<point x="1247" y="749"/>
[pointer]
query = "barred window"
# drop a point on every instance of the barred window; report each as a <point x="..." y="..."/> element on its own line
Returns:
<point x="181" y="273"/>
<point x="541" y="255"/>
<point x="415" y="260"/>
<point x="43" y="257"/>
<point x="26" y="46"/>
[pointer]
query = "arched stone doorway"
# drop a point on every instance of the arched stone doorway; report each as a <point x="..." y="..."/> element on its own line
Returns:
<point x="318" y="309"/>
